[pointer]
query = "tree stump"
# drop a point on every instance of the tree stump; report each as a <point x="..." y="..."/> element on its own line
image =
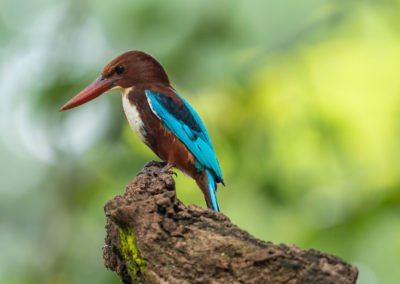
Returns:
<point x="153" y="238"/>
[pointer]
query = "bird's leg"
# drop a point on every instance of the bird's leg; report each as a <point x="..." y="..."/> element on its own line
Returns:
<point x="166" y="168"/>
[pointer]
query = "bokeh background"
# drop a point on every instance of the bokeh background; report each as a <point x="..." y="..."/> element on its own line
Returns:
<point x="300" y="98"/>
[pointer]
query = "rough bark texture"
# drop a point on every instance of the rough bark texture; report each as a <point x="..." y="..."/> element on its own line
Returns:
<point x="153" y="238"/>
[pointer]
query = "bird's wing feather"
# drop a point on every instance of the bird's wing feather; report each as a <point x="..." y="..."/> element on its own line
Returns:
<point x="185" y="123"/>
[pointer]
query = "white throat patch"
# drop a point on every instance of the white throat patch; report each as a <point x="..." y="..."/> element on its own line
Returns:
<point x="133" y="115"/>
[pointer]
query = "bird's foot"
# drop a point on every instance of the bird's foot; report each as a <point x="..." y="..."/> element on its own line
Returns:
<point x="166" y="169"/>
<point x="155" y="164"/>
<point x="171" y="173"/>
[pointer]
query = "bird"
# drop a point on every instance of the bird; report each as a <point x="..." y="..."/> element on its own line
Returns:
<point x="160" y="117"/>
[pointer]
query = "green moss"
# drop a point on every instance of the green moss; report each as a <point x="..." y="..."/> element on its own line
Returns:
<point x="131" y="255"/>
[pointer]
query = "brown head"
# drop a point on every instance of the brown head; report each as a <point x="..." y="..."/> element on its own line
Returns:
<point x="127" y="70"/>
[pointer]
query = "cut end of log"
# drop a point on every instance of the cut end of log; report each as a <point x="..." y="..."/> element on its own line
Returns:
<point x="152" y="237"/>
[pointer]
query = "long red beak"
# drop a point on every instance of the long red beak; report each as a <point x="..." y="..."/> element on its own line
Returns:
<point x="95" y="89"/>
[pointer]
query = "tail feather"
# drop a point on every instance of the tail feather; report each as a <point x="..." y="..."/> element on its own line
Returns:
<point x="212" y="188"/>
<point x="206" y="181"/>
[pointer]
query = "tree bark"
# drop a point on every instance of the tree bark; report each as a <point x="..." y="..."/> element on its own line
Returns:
<point x="153" y="238"/>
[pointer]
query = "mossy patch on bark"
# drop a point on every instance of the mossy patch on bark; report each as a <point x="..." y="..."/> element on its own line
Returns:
<point x="131" y="254"/>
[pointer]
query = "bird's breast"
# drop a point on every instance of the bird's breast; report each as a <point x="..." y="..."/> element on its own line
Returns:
<point x="133" y="116"/>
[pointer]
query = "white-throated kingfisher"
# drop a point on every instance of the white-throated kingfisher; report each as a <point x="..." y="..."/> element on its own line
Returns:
<point x="161" y="118"/>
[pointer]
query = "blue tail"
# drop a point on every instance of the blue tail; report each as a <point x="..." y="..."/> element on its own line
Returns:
<point x="212" y="187"/>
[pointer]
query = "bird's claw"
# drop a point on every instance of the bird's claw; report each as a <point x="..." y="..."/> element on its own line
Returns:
<point x="166" y="169"/>
<point x="172" y="173"/>
<point x="169" y="172"/>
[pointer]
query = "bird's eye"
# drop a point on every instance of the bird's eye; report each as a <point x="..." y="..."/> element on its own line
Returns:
<point x="119" y="69"/>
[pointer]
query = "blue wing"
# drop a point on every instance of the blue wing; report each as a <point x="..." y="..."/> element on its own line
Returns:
<point x="186" y="124"/>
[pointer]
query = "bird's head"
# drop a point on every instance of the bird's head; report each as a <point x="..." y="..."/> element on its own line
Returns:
<point x="128" y="70"/>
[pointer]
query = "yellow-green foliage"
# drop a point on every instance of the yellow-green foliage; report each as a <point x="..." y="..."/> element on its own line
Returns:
<point x="130" y="252"/>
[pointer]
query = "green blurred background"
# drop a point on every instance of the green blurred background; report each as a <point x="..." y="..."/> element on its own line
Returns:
<point x="300" y="98"/>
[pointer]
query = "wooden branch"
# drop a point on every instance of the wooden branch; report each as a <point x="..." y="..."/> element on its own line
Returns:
<point x="153" y="238"/>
